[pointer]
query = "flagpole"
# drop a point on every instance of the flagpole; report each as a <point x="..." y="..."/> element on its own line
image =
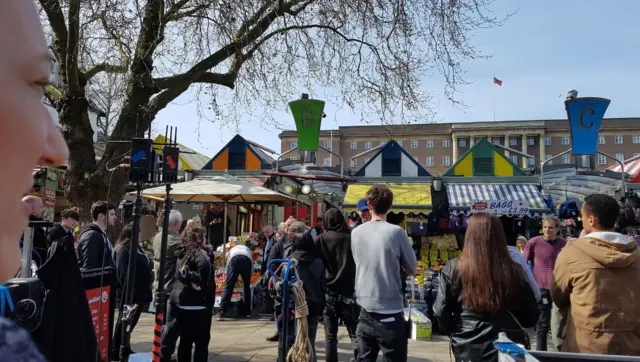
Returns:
<point x="493" y="85"/>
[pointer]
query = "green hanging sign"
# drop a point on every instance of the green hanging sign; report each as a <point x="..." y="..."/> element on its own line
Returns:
<point x="307" y="114"/>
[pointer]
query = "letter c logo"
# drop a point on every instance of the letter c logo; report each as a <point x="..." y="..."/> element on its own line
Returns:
<point x="581" y="121"/>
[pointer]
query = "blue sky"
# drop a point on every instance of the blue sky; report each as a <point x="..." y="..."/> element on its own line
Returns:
<point x="546" y="49"/>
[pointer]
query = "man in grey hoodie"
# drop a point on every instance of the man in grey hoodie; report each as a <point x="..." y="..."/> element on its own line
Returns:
<point x="381" y="252"/>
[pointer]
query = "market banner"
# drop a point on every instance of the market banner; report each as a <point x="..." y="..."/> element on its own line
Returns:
<point x="100" y="288"/>
<point x="501" y="207"/>
<point x="307" y="114"/>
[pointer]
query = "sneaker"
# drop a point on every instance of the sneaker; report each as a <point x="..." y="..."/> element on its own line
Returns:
<point x="273" y="338"/>
<point x="248" y="315"/>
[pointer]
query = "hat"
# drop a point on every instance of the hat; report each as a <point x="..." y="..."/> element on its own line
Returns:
<point x="362" y="205"/>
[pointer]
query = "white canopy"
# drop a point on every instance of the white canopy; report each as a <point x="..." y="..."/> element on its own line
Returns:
<point x="217" y="189"/>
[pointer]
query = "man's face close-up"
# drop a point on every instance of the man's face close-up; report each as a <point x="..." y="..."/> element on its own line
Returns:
<point x="112" y="217"/>
<point x="550" y="230"/>
<point x="26" y="128"/>
<point x="365" y="215"/>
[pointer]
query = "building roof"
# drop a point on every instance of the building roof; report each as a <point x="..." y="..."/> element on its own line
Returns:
<point x="446" y="128"/>
<point x="188" y="161"/>
<point x="389" y="148"/>
<point x="483" y="159"/>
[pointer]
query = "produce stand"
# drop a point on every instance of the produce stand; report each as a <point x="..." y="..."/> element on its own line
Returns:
<point x="251" y="240"/>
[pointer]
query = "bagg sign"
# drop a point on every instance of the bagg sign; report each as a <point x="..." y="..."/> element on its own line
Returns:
<point x="501" y="207"/>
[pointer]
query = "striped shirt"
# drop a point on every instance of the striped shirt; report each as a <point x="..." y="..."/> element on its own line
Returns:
<point x="543" y="255"/>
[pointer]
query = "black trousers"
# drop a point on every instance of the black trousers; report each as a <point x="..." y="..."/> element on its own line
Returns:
<point x="336" y="309"/>
<point x="193" y="327"/>
<point x="117" y="333"/>
<point x="242" y="266"/>
<point x="382" y="332"/>
<point x="544" y="320"/>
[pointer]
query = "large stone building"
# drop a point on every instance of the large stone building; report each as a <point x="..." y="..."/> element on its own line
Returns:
<point x="438" y="146"/>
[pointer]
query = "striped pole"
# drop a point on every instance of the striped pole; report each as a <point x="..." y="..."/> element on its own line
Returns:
<point x="157" y="336"/>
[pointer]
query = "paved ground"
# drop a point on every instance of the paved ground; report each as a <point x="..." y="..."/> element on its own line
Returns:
<point x="244" y="340"/>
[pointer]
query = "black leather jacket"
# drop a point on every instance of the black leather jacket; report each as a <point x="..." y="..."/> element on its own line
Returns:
<point x="472" y="333"/>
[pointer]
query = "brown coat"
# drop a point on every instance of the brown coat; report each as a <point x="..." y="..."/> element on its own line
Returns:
<point x="600" y="281"/>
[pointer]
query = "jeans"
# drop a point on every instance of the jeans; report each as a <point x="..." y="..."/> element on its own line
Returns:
<point x="336" y="309"/>
<point x="382" y="332"/>
<point x="170" y="332"/>
<point x="544" y="320"/>
<point x="117" y="334"/>
<point x="195" y="331"/>
<point x="242" y="266"/>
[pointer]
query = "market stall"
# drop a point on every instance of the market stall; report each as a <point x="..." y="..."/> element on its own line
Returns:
<point x="227" y="190"/>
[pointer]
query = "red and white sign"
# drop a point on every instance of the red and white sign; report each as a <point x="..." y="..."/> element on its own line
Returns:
<point x="501" y="207"/>
<point x="99" y="307"/>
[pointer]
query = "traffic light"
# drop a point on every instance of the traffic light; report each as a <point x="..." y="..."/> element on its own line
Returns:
<point x="170" y="160"/>
<point x="141" y="160"/>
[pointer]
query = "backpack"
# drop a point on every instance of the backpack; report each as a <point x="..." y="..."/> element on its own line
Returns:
<point x="568" y="209"/>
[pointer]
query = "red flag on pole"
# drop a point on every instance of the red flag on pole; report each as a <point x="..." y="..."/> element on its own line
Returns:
<point x="497" y="81"/>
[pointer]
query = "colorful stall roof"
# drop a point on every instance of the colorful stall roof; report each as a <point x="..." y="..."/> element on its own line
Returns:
<point x="239" y="154"/>
<point x="631" y="168"/>
<point x="188" y="161"/>
<point x="392" y="161"/>
<point x="483" y="159"/>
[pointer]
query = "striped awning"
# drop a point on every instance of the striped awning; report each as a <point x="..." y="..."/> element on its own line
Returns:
<point x="464" y="195"/>
<point x="632" y="168"/>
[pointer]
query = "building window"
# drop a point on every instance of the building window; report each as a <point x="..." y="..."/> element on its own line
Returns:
<point x="399" y="143"/>
<point x="382" y="143"/>
<point x="429" y="161"/>
<point x="293" y="158"/>
<point x="495" y="140"/>
<point x="514" y="159"/>
<point x="565" y="140"/>
<point x="532" y="161"/>
<point x="620" y="157"/>
<point x="366" y="160"/>
<point x="636" y="139"/>
<point x="513" y="141"/>
<point x="531" y="141"/>
<point x="462" y="142"/>
<point x="566" y="159"/>
<point x="414" y="144"/>
<point x="354" y="145"/>
<point x="602" y="160"/>
<point x="429" y="143"/>
<point x="294" y="144"/>
<point x="368" y="145"/>
<point x="547" y="141"/>
<point x="327" y="161"/>
<point x="445" y="143"/>
<point x="548" y="157"/>
<point x="327" y="145"/>
<point x="619" y="140"/>
<point x="446" y="161"/>
<point x="601" y="140"/>
<point x="354" y="163"/>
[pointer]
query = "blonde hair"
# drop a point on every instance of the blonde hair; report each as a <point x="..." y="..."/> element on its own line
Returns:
<point x="298" y="227"/>
<point x="192" y="223"/>
<point x="521" y="241"/>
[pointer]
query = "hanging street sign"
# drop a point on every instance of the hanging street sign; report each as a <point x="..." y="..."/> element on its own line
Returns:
<point x="585" y="118"/>
<point x="307" y="114"/>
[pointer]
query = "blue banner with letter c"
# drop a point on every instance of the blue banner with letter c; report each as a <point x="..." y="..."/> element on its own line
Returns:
<point x="585" y="117"/>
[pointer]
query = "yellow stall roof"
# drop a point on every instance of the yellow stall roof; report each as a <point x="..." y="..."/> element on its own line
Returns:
<point x="188" y="161"/>
<point x="407" y="198"/>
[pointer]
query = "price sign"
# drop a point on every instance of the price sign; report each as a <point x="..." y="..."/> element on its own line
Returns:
<point x="506" y="207"/>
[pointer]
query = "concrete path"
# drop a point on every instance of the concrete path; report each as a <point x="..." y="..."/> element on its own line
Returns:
<point x="245" y="340"/>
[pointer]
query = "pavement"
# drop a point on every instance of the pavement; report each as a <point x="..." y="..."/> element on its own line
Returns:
<point x="245" y="340"/>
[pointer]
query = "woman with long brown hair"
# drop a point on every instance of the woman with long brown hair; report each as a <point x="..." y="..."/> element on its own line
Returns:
<point x="191" y="300"/>
<point x="484" y="292"/>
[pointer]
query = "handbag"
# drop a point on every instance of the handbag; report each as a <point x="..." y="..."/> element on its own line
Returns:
<point x="527" y="340"/>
